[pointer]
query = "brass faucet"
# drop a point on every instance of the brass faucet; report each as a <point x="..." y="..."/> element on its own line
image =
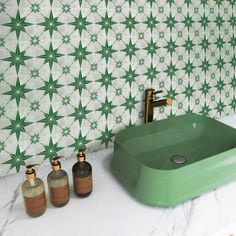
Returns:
<point x="150" y="103"/>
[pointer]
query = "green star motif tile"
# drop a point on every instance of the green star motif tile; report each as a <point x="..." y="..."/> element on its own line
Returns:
<point x="152" y="48"/>
<point x="50" y="56"/>
<point x="66" y="8"/>
<point x="232" y="21"/>
<point x="106" y="23"/>
<point x="66" y="100"/>
<point x="51" y="23"/>
<point x="65" y="39"/>
<point x="17" y="160"/>
<point x="34" y="40"/>
<point x="106" y="79"/>
<point x="130" y="22"/>
<point x="171" y="93"/>
<point x="171" y="70"/>
<point x="66" y="131"/>
<point x="80" y="53"/>
<point x="34" y="73"/>
<point x="188" y="45"/>
<point x="51" y="150"/>
<point x="220" y="85"/>
<point x="170" y="22"/>
<point x="34" y="138"/>
<point x="233" y="82"/>
<point x="233" y="104"/>
<point x="188" y="21"/>
<point x="204" y="21"/>
<point x="76" y="71"/>
<point x="35" y="8"/>
<point x="17" y="24"/>
<point x="34" y="106"/>
<point x="130" y="103"/>
<point x="80" y="142"/>
<point x="18" y="91"/>
<point x="205" y="110"/>
<point x="189" y="66"/>
<point x="220" y="63"/>
<point x="220" y="42"/>
<point x="233" y="61"/>
<point x="130" y="76"/>
<point x="106" y="51"/>
<point x="220" y="107"/>
<point x="151" y="22"/>
<point x="50" y="87"/>
<point x="205" y="44"/>
<point x="171" y="46"/>
<point x="50" y="119"/>
<point x="80" y="83"/>
<point x="80" y="23"/>
<point x="130" y="50"/>
<point x="17" y="58"/>
<point x="205" y="88"/>
<point x="17" y="125"/>
<point x="233" y="41"/>
<point x="106" y="136"/>
<point x="219" y="21"/>
<point x="189" y="91"/>
<point x="106" y="108"/>
<point x="151" y="73"/>
<point x="80" y="113"/>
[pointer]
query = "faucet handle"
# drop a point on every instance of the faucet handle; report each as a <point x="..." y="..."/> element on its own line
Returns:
<point x="156" y="92"/>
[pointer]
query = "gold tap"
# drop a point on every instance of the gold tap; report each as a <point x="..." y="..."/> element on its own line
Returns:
<point x="150" y="103"/>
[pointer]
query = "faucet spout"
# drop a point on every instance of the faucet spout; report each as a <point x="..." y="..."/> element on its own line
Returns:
<point x="161" y="103"/>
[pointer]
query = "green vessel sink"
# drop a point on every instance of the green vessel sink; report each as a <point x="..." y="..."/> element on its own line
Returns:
<point x="166" y="162"/>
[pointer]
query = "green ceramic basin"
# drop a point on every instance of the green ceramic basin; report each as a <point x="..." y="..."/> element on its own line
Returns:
<point x="167" y="162"/>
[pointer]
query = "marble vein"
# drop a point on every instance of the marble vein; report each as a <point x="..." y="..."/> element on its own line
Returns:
<point x="10" y="205"/>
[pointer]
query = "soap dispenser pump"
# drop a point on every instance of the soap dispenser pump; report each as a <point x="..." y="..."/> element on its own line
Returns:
<point x="58" y="184"/>
<point x="82" y="176"/>
<point x="34" y="193"/>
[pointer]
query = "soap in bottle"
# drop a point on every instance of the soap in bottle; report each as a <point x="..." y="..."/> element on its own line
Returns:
<point x="58" y="184"/>
<point x="82" y="176"/>
<point x="33" y="193"/>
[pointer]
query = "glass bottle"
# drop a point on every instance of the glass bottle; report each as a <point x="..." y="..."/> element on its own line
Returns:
<point x="58" y="184"/>
<point x="82" y="176"/>
<point x="33" y="193"/>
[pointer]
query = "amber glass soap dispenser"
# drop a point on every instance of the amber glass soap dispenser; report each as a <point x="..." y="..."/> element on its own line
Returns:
<point x="58" y="184"/>
<point x="34" y="193"/>
<point x="82" y="176"/>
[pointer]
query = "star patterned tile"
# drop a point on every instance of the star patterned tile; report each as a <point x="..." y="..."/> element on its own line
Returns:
<point x="73" y="73"/>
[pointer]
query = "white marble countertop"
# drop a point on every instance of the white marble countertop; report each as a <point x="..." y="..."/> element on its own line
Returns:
<point x="111" y="211"/>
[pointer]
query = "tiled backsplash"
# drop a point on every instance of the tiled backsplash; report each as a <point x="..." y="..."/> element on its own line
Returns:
<point x="73" y="72"/>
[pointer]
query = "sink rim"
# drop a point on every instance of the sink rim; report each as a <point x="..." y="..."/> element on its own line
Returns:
<point x="155" y="123"/>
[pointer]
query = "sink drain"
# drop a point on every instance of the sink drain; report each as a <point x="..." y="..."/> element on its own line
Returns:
<point x="178" y="159"/>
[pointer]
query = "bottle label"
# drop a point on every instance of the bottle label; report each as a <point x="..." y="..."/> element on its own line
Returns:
<point x="35" y="205"/>
<point x="84" y="185"/>
<point x="60" y="195"/>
